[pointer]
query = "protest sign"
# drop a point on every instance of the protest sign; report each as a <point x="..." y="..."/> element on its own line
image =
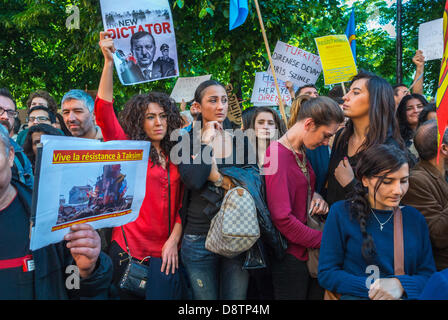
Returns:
<point x="430" y="39"/>
<point x="86" y="181"/>
<point x="234" y="112"/>
<point x="337" y="59"/>
<point x="265" y="93"/>
<point x="295" y="65"/>
<point x="185" y="88"/>
<point x="143" y="34"/>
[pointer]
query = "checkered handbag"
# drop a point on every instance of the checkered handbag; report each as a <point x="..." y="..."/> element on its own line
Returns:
<point x="234" y="229"/>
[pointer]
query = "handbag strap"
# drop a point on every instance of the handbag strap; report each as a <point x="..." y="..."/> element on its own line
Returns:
<point x="398" y="242"/>
<point x="126" y="242"/>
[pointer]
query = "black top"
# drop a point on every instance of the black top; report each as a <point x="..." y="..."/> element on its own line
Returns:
<point x="14" y="243"/>
<point x="195" y="173"/>
<point x="335" y="191"/>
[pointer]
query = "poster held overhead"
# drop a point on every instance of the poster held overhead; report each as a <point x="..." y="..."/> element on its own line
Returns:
<point x="430" y="39"/>
<point x="143" y="33"/>
<point x="337" y="58"/>
<point x="99" y="183"/>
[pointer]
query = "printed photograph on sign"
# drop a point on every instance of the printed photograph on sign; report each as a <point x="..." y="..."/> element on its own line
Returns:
<point x="98" y="183"/>
<point x="108" y="193"/>
<point x="144" y="39"/>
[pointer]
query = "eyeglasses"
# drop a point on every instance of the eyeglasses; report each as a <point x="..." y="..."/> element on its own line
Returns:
<point x="10" y="113"/>
<point x="38" y="118"/>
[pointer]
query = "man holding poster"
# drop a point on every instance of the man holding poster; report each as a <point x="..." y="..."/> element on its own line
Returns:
<point x="138" y="28"/>
<point x="40" y="274"/>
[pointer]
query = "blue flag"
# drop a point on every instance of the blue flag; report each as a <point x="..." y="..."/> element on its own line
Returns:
<point x="350" y="33"/>
<point x="237" y="13"/>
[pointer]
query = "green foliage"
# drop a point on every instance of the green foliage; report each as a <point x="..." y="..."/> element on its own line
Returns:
<point x="37" y="51"/>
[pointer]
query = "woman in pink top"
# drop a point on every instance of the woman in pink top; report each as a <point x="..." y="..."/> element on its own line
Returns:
<point x="288" y="191"/>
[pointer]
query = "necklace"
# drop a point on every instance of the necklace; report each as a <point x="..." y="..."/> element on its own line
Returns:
<point x="381" y="223"/>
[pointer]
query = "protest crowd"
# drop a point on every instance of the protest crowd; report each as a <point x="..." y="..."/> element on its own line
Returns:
<point x="349" y="193"/>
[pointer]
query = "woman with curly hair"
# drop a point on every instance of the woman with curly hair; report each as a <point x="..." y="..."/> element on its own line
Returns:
<point x="157" y="230"/>
<point x="358" y="236"/>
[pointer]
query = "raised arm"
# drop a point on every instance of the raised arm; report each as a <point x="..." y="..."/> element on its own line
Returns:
<point x="104" y="111"/>
<point x="419" y="61"/>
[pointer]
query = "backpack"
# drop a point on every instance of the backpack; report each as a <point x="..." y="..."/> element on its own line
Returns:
<point x="234" y="229"/>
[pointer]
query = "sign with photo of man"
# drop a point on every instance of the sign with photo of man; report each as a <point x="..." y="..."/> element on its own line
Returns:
<point x="143" y="34"/>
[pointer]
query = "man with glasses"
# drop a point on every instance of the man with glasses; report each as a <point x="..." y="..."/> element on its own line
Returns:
<point x="22" y="170"/>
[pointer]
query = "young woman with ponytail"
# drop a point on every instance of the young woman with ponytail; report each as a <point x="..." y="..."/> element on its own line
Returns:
<point x="357" y="250"/>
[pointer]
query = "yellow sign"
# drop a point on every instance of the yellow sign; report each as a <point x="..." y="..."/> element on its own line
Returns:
<point x="337" y="60"/>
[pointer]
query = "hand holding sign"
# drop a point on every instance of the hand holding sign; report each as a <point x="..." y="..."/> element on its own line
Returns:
<point x="107" y="46"/>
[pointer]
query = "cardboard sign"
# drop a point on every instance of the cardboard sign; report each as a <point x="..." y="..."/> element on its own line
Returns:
<point x="295" y="65"/>
<point x="185" y="88"/>
<point x="143" y="34"/>
<point x="99" y="183"/>
<point x="337" y="59"/>
<point x="234" y="112"/>
<point x="430" y="39"/>
<point x="265" y="93"/>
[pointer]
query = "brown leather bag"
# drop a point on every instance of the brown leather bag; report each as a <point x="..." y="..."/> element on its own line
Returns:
<point x="398" y="252"/>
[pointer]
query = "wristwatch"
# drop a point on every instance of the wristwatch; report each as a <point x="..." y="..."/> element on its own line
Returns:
<point x="218" y="183"/>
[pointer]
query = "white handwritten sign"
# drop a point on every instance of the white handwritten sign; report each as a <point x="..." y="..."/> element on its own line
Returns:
<point x="430" y="39"/>
<point x="295" y="65"/>
<point x="265" y="93"/>
<point x="185" y="88"/>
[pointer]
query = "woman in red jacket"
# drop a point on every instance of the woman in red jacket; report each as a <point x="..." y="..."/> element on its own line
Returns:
<point x="155" y="233"/>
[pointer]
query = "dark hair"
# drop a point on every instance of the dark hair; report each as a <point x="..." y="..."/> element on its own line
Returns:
<point x="47" y="110"/>
<point x="383" y="123"/>
<point x="336" y="93"/>
<point x="279" y="125"/>
<point x="28" y="144"/>
<point x="423" y="116"/>
<point x="303" y="87"/>
<point x="62" y="124"/>
<point x="405" y="129"/>
<point x="132" y="119"/>
<point x="247" y="116"/>
<point x="378" y="159"/>
<point x="5" y="93"/>
<point x="139" y="35"/>
<point x="17" y="124"/>
<point x="52" y="105"/>
<point x="425" y="140"/>
<point x="199" y="93"/>
<point x="396" y="86"/>
<point x="323" y="110"/>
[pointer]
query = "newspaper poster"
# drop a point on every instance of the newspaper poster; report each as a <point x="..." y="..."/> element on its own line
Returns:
<point x="337" y="58"/>
<point x="185" y="87"/>
<point x="87" y="181"/>
<point x="265" y="93"/>
<point x="143" y="33"/>
<point x="430" y="39"/>
<point x="295" y="65"/>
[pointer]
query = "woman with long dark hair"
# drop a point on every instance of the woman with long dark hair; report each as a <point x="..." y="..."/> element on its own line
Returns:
<point x="370" y="107"/>
<point x="157" y="230"/>
<point x="408" y="113"/>
<point x="357" y="251"/>
<point x="266" y="127"/>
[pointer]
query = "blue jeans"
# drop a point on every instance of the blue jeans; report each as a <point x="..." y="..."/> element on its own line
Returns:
<point x="212" y="276"/>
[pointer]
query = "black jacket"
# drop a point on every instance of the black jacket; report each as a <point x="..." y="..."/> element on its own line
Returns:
<point x="50" y="267"/>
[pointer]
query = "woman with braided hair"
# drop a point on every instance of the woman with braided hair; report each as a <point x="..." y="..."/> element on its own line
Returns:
<point x="358" y="237"/>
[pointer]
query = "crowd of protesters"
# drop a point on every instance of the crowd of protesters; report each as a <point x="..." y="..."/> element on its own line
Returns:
<point x="352" y="161"/>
